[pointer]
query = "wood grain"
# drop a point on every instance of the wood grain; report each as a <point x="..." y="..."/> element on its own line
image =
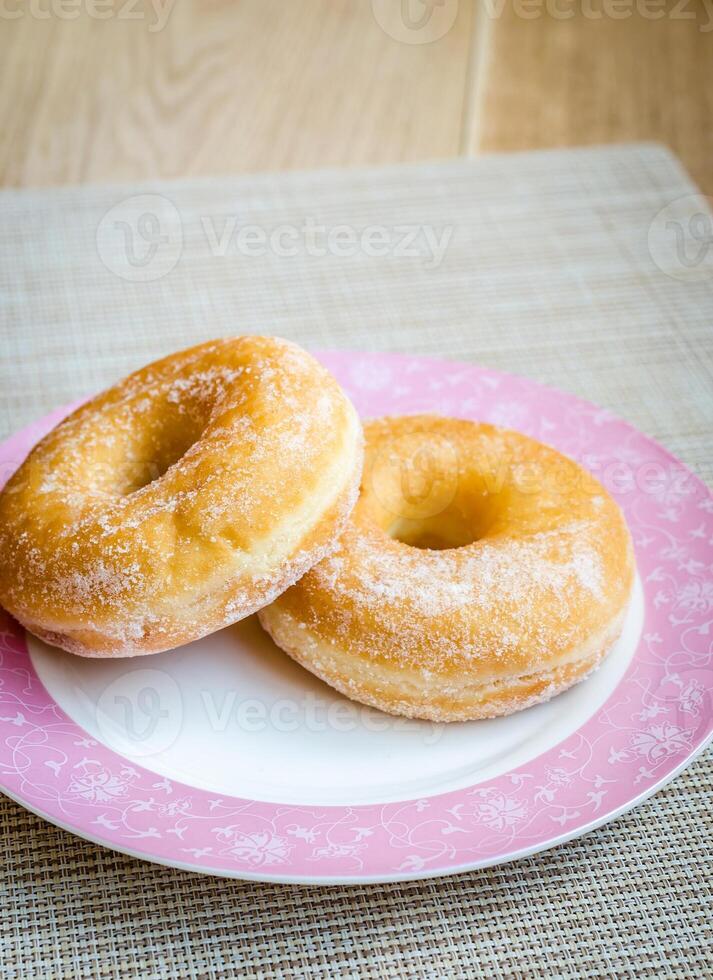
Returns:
<point x="588" y="79"/>
<point x="224" y="87"/>
<point x="244" y="85"/>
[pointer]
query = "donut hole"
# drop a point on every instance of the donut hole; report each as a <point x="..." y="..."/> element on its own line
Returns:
<point x="462" y="523"/>
<point x="164" y="450"/>
<point x="424" y="491"/>
<point x="144" y="444"/>
<point x="434" y="534"/>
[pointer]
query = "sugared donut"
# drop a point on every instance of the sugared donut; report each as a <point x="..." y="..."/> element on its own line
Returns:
<point x="180" y="500"/>
<point x="480" y="572"/>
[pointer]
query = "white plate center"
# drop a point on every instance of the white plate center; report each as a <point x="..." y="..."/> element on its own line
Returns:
<point x="234" y="715"/>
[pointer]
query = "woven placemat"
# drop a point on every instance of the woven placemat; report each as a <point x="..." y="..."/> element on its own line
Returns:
<point x="585" y="269"/>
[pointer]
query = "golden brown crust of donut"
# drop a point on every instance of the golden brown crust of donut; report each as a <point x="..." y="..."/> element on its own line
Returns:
<point x="404" y="691"/>
<point x="180" y="500"/>
<point x="529" y="606"/>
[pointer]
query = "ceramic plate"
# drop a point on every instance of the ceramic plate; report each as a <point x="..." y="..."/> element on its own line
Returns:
<point x="227" y="758"/>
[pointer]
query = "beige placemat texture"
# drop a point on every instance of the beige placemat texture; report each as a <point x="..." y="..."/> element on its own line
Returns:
<point x="560" y="265"/>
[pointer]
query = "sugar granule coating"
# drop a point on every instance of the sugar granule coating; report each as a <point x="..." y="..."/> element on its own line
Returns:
<point x="180" y="500"/>
<point x="481" y="572"/>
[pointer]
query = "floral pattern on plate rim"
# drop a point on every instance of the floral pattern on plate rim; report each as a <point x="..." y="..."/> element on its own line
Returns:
<point x="659" y="716"/>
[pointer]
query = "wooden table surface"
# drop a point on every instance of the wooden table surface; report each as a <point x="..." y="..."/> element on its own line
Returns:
<point x="101" y="90"/>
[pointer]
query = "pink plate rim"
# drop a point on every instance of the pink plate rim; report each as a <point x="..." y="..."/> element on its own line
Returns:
<point x="655" y="722"/>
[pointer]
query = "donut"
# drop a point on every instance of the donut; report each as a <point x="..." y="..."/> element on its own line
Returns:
<point x="180" y="500"/>
<point x="480" y="572"/>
